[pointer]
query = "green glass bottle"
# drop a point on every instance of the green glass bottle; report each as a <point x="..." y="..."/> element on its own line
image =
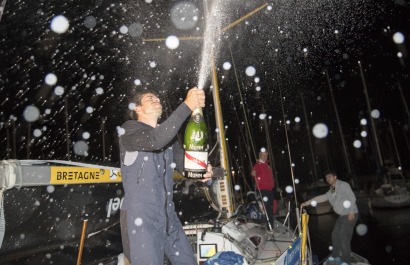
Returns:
<point x="196" y="146"/>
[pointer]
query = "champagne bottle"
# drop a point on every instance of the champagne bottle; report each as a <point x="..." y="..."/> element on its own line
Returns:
<point x="196" y="146"/>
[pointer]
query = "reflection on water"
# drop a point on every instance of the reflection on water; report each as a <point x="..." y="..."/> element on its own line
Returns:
<point x="385" y="242"/>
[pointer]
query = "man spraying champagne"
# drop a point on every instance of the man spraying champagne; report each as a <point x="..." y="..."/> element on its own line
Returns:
<point x="149" y="153"/>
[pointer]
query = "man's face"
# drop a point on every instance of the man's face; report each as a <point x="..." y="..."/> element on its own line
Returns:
<point x="150" y="105"/>
<point x="263" y="156"/>
<point x="330" y="179"/>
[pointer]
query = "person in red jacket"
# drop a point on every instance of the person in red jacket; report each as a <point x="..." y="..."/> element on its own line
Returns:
<point x="265" y="182"/>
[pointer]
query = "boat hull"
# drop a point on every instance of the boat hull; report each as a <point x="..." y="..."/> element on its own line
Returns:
<point x="43" y="224"/>
<point x="391" y="201"/>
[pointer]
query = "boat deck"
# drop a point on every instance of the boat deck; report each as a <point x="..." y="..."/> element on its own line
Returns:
<point x="275" y="246"/>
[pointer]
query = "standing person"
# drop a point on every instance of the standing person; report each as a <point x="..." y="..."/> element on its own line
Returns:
<point x="150" y="227"/>
<point x="265" y="183"/>
<point x="343" y="200"/>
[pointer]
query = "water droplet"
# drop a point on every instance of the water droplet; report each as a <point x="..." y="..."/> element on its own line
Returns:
<point x="59" y="24"/>
<point x="227" y="65"/>
<point x="289" y="189"/>
<point x="357" y="143"/>
<point x="31" y="113"/>
<point x="250" y="71"/>
<point x="99" y="90"/>
<point x="172" y="42"/>
<point x="138" y="221"/>
<point x="320" y="130"/>
<point x="90" y="22"/>
<point x="375" y="113"/>
<point x="347" y="204"/>
<point x="398" y="38"/>
<point x="81" y="148"/>
<point x="184" y="15"/>
<point x="124" y="29"/>
<point x="59" y="90"/>
<point x="50" y="79"/>
<point x="297" y="181"/>
<point x="361" y="229"/>
<point x="50" y="189"/>
<point x="86" y="135"/>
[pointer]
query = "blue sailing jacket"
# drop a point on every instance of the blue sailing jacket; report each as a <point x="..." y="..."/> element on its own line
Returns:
<point x="148" y="158"/>
<point x="147" y="163"/>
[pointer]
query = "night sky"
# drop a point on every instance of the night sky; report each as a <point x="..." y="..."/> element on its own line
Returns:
<point x="65" y="92"/>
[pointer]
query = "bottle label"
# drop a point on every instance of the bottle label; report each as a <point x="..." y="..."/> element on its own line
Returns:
<point x="198" y="136"/>
<point x="195" y="161"/>
<point x="194" y="175"/>
<point x="197" y="117"/>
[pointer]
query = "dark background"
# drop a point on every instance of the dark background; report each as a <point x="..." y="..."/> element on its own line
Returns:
<point x="291" y="44"/>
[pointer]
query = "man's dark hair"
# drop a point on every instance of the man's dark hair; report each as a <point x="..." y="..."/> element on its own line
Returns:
<point x="327" y="172"/>
<point x="136" y="99"/>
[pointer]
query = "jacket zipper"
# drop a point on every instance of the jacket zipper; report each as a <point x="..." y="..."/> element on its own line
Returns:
<point x="163" y="175"/>
<point x="139" y="174"/>
<point x="166" y="196"/>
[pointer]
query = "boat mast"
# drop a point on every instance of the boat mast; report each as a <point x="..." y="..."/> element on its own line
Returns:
<point x="67" y="133"/>
<point x="405" y="132"/>
<point x="309" y="139"/>
<point x="406" y="108"/>
<point x="245" y="115"/>
<point x="2" y="6"/>
<point x="103" y="120"/>
<point x="225" y="183"/>
<point x="394" y="144"/>
<point x="369" y="110"/>
<point x="8" y="148"/>
<point x="349" y="170"/>
<point x="247" y="138"/>
<point x="241" y="138"/>
<point x="28" y="145"/>
<point x="13" y="126"/>
<point x="290" y="161"/>
<point x="269" y="144"/>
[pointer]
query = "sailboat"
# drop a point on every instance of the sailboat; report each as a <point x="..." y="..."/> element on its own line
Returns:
<point x="394" y="193"/>
<point x="54" y="198"/>
<point x="60" y="212"/>
<point x="49" y="207"/>
<point x="63" y="211"/>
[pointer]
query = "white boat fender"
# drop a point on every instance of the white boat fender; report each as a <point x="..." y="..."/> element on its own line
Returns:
<point x="121" y="259"/>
